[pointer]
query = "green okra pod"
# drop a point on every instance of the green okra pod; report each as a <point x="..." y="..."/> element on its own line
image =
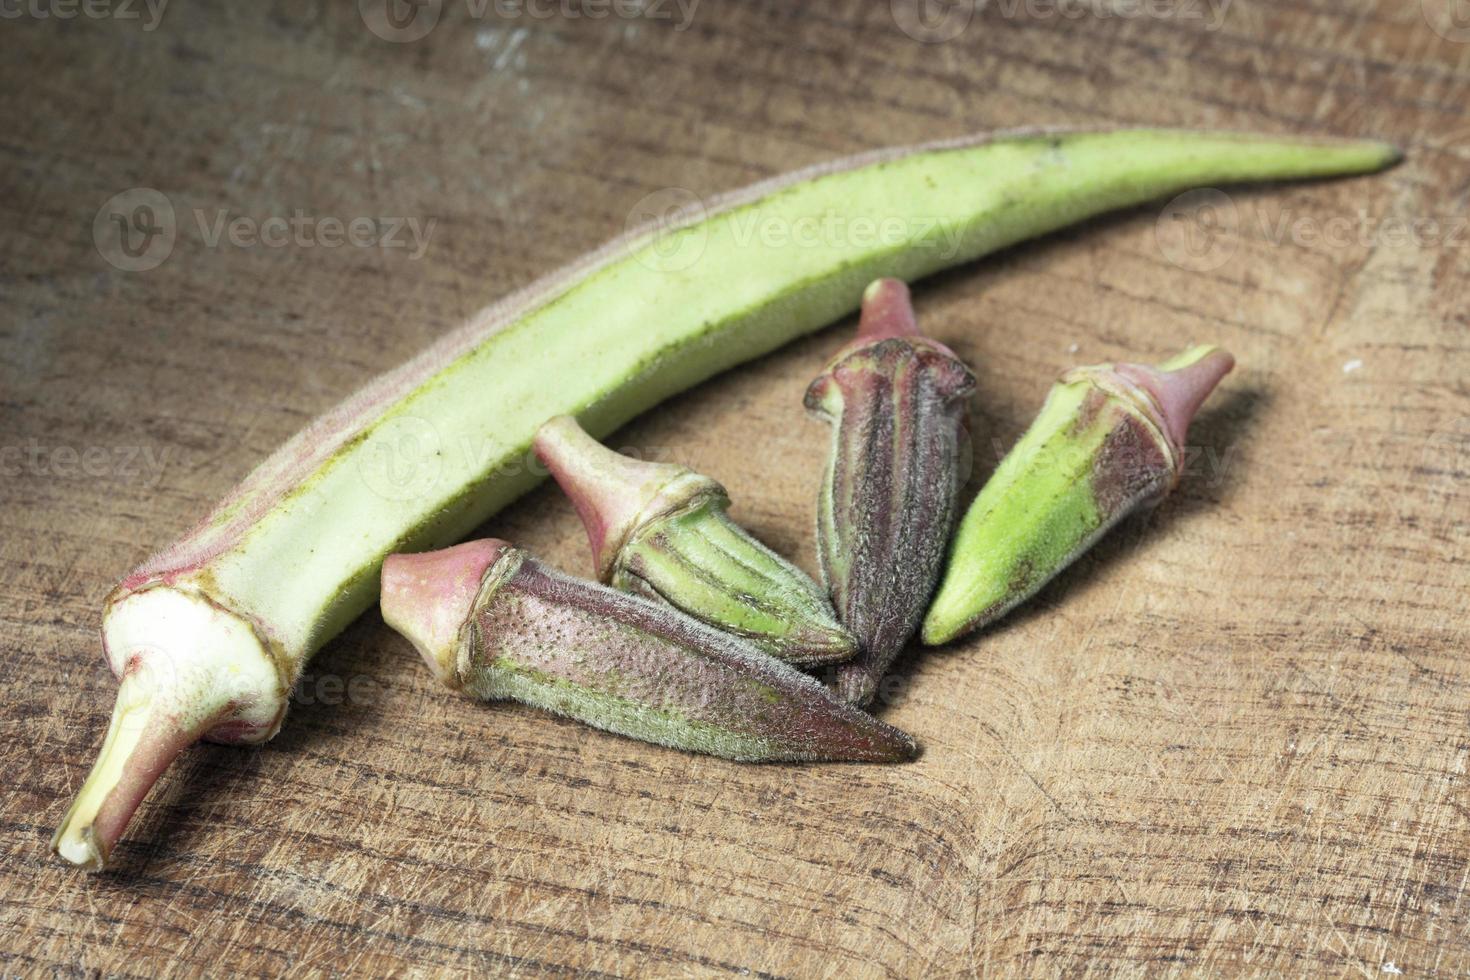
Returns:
<point x="897" y="404"/>
<point x="491" y="620"/>
<point x="1108" y="442"/>
<point x="663" y="531"/>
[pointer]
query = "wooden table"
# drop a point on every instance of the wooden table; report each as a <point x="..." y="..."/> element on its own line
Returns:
<point x="1234" y="738"/>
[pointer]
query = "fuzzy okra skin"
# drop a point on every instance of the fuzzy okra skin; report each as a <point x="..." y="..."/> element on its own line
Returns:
<point x="208" y="637"/>
<point x="663" y="531"/>
<point x="491" y="620"/>
<point x="1109" y="441"/>
<point x="896" y="401"/>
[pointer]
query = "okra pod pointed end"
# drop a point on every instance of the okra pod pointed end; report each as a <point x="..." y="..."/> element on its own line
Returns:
<point x="429" y="597"/>
<point x="814" y="645"/>
<point x="1370" y="156"/>
<point x="613" y="493"/>
<point x="872" y="742"/>
<point x="947" y="620"/>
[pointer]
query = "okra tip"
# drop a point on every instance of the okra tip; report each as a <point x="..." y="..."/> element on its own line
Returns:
<point x="1377" y="154"/>
<point x="1390" y="154"/>
<point x="428" y="597"/>
<point x="883" y="743"/>
<point x="835" y="731"/>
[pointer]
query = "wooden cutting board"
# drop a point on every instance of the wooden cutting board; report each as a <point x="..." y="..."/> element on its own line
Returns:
<point x="1232" y="739"/>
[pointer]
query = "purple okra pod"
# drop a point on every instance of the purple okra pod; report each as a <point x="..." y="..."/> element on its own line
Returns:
<point x="897" y="404"/>
<point x="493" y="621"/>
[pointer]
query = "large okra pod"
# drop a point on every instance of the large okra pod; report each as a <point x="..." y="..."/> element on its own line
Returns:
<point x="490" y="619"/>
<point x="663" y="531"/>
<point x="1109" y="441"/>
<point x="209" y="636"/>
<point x="897" y="404"/>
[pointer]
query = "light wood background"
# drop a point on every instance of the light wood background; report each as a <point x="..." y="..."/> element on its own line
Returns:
<point x="1233" y="739"/>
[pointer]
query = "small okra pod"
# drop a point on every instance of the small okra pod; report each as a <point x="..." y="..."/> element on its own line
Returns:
<point x="662" y="531"/>
<point x="1109" y="441"/>
<point x="897" y="404"/>
<point x="491" y="620"/>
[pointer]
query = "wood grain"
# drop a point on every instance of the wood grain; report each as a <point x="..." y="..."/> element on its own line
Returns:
<point x="1231" y="740"/>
